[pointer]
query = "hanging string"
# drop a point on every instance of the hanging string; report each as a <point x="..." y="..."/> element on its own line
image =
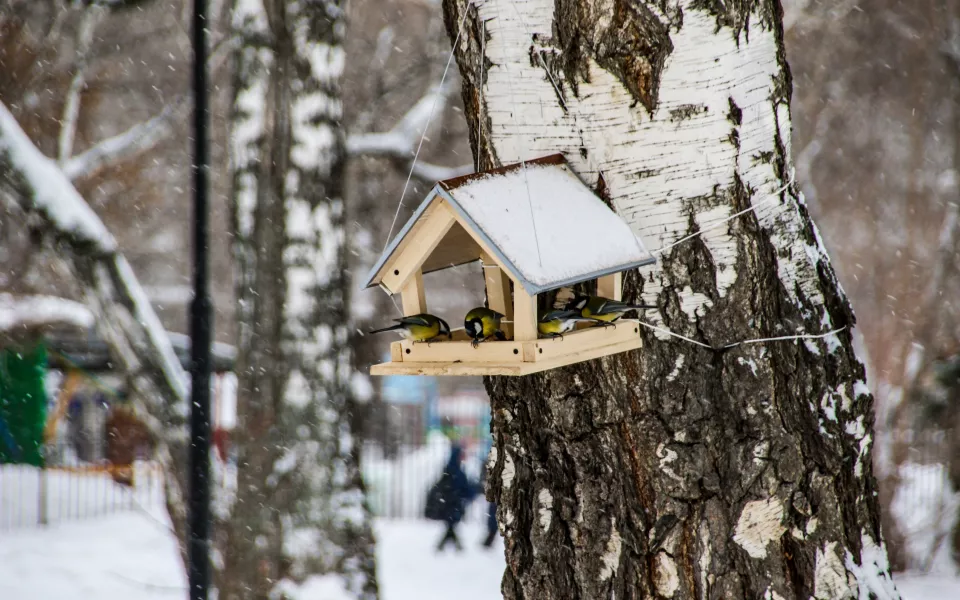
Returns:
<point x="483" y="58"/>
<point x="516" y="124"/>
<point x="426" y="127"/>
<point x="799" y="336"/>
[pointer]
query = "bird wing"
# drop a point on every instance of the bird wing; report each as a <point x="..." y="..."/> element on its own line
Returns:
<point x="559" y="314"/>
<point x="415" y="320"/>
<point x="609" y="307"/>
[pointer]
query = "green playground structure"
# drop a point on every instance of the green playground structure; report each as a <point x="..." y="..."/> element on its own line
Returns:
<point x="23" y="405"/>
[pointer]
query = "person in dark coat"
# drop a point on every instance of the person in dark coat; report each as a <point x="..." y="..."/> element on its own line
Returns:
<point x="458" y="491"/>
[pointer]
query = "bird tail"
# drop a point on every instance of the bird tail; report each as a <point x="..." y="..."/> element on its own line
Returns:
<point x="391" y="328"/>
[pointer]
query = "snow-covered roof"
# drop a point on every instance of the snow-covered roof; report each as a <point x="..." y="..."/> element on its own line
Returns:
<point x="540" y="222"/>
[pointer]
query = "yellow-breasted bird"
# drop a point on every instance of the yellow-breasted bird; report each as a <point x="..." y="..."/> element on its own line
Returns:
<point x="482" y="323"/>
<point x="602" y="310"/>
<point x="555" y="323"/>
<point x="419" y="328"/>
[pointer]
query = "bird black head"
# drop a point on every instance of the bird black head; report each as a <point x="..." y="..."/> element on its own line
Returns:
<point x="474" y="327"/>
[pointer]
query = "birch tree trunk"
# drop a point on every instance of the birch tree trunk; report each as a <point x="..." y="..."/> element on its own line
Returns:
<point x="298" y="523"/>
<point x="678" y="471"/>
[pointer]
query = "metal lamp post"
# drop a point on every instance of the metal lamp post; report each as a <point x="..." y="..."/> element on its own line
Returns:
<point x="201" y="328"/>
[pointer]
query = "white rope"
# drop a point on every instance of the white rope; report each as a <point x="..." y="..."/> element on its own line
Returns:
<point x="676" y="335"/>
<point x="771" y="198"/>
<point x="426" y="127"/>
<point x="799" y="336"/>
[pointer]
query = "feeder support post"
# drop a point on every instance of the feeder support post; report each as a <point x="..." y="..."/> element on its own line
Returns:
<point x="611" y="286"/>
<point x="524" y="315"/>
<point x="413" y="295"/>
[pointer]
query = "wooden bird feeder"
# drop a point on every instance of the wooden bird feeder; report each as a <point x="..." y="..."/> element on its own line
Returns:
<point x="532" y="224"/>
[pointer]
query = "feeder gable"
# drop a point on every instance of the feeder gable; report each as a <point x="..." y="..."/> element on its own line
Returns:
<point x="537" y="219"/>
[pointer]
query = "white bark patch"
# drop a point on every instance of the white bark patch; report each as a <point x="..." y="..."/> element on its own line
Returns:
<point x="667" y="456"/>
<point x="770" y="594"/>
<point x="611" y="557"/>
<point x="676" y="368"/>
<point x="871" y="574"/>
<point x="665" y="575"/>
<point x="760" y="523"/>
<point x="509" y="471"/>
<point x="546" y="508"/>
<point x="722" y="245"/>
<point x="749" y="362"/>
<point x="706" y="557"/>
<point x="691" y="303"/>
<point x="829" y="574"/>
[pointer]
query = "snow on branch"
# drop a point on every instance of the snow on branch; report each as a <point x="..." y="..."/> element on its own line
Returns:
<point x="35" y="312"/>
<point x="34" y="180"/>
<point x="400" y="143"/>
<point x="141" y="350"/>
<point x="115" y="296"/>
<point x="137" y="139"/>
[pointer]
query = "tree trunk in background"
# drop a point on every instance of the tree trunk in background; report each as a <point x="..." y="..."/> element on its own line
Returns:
<point x="678" y="471"/>
<point x="298" y="520"/>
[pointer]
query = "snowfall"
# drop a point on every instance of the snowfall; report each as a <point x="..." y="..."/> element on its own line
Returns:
<point x="124" y="548"/>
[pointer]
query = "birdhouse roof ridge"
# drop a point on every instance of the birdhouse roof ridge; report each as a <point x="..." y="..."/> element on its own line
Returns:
<point x="524" y="214"/>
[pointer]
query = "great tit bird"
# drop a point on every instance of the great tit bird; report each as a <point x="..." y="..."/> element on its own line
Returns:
<point x="482" y="323"/>
<point x="602" y="310"/>
<point x="419" y="328"/>
<point x="555" y="323"/>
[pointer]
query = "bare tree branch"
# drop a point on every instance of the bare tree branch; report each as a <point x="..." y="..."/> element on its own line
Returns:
<point x="139" y="138"/>
<point x="91" y="17"/>
<point x="400" y="143"/>
<point x="123" y="314"/>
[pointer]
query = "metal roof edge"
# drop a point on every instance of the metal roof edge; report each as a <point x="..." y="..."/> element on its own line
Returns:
<point x="539" y="289"/>
<point x="392" y="247"/>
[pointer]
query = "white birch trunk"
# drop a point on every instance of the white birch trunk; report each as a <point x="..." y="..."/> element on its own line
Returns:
<point x="676" y="471"/>
<point x="299" y="521"/>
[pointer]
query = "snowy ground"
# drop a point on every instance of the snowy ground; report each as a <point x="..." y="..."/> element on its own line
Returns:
<point x="131" y="556"/>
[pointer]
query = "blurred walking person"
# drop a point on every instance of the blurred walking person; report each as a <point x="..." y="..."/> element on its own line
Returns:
<point x="448" y="498"/>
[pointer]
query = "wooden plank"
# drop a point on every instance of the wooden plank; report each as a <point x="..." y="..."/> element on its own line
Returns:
<point x="396" y="352"/>
<point x="418" y="245"/>
<point x="576" y="357"/>
<point x="447" y="351"/>
<point x="524" y="315"/>
<point x="611" y="286"/>
<point x="498" y="291"/>
<point x="447" y="369"/>
<point x="583" y="340"/>
<point x="498" y="286"/>
<point x="413" y="296"/>
<point x="464" y="369"/>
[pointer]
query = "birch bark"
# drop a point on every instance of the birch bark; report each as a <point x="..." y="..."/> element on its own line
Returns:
<point x="298" y="521"/>
<point x="678" y="471"/>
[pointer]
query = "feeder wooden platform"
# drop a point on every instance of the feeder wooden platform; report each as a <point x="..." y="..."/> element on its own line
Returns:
<point x="459" y="357"/>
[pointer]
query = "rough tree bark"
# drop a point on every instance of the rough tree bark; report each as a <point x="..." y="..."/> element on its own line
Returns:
<point x="298" y="520"/>
<point x="678" y="471"/>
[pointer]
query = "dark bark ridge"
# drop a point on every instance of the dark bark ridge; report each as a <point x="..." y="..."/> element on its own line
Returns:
<point x="638" y="475"/>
